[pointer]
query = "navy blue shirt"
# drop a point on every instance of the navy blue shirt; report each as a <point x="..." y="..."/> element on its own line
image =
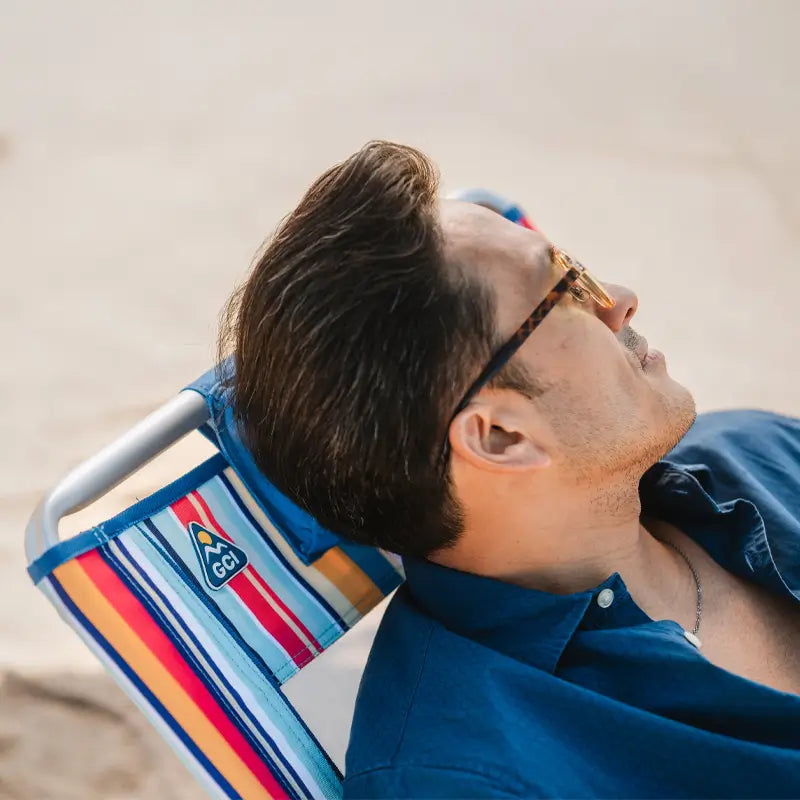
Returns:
<point x="479" y="688"/>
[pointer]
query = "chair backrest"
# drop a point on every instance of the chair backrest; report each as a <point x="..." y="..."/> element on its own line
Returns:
<point x="202" y="608"/>
<point x="205" y="598"/>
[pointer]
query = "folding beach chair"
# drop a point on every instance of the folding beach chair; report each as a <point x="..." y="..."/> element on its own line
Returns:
<point x="206" y="599"/>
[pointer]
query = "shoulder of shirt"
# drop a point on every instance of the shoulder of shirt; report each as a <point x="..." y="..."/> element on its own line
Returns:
<point x="750" y="434"/>
<point x="429" y="781"/>
<point x="742" y="420"/>
<point x="403" y="732"/>
<point x="750" y="454"/>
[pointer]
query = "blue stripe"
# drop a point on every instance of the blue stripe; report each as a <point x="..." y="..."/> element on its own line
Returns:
<point x="142" y="688"/>
<point x="382" y="573"/>
<point x="329" y="610"/>
<point x="322" y="629"/>
<point x="207" y="680"/>
<point x="226" y="599"/>
<point x="166" y="551"/>
<point x="191" y="582"/>
<point x="166" y="496"/>
<point x="513" y="213"/>
<point x="280" y="580"/>
<point x="64" y="551"/>
<point x="275" y="695"/>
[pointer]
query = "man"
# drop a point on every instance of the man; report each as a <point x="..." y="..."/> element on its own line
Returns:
<point x="582" y="616"/>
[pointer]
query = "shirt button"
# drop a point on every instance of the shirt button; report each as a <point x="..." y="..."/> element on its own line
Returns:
<point x="605" y="598"/>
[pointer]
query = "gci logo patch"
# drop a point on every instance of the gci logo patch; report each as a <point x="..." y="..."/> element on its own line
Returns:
<point x="220" y="559"/>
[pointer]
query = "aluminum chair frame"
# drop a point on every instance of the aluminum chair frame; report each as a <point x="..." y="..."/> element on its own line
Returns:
<point x="100" y="473"/>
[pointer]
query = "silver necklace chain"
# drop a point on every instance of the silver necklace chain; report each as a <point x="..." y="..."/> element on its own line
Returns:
<point x="693" y="638"/>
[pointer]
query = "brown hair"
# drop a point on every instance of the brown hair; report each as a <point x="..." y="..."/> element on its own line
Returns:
<point x="352" y="342"/>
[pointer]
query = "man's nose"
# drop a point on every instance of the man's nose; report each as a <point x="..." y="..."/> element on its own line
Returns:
<point x="624" y="309"/>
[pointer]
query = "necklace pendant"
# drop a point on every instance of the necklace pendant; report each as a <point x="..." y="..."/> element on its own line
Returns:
<point x="693" y="639"/>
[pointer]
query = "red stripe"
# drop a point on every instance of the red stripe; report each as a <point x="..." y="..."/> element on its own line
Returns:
<point x="295" y="648"/>
<point x="137" y="616"/>
<point x="288" y="611"/>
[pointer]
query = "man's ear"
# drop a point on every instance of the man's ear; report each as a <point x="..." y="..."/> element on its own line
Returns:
<point x="494" y="438"/>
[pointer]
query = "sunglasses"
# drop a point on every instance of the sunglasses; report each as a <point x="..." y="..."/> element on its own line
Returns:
<point x="582" y="286"/>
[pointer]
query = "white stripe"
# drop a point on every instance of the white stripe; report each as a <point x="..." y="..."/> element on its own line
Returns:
<point x="207" y="667"/>
<point x="309" y="644"/>
<point x="234" y="597"/>
<point x="248" y="573"/>
<point x="255" y="704"/>
<point x="329" y="590"/>
<point x="297" y="571"/>
<point x="189" y="761"/>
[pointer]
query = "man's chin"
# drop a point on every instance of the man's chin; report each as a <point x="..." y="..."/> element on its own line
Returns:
<point x="681" y="414"/>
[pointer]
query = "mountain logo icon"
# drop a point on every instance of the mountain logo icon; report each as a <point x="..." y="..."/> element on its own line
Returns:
<point x="220" y="560"/>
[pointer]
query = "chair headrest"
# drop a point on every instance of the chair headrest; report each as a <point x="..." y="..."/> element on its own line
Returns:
<point x="306" y="536"/>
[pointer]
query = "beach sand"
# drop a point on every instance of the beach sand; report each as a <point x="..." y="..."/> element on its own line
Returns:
<point x="146" y="151"/>
<point x="75" y="736"/>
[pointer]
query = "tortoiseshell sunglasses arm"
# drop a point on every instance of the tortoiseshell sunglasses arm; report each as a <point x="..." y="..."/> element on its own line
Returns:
<point x="504" y="354"/>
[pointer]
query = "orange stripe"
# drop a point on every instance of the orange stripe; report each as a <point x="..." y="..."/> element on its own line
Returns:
<point x="349" y="579"/>
<point x="158" y="643"/>
<point x="169" y="692"/>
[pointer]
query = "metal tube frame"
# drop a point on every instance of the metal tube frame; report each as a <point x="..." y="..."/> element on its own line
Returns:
<point x="483" y="197"/>
<point x="117" y="461"/>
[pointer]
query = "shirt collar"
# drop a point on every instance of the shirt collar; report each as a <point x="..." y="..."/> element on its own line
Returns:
<point x="535" y="626"/>
<point x="684" y="493"/>
<point x="499" y="615"/>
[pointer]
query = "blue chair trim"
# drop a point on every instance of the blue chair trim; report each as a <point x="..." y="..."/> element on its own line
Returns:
<point x="106" y="531"/>
<point x="305" y="535"/>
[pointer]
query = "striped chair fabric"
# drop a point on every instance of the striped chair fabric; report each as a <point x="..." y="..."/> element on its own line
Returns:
<point x="205" y="655"/>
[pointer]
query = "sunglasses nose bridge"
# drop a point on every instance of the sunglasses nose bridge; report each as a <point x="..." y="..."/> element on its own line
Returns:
<point x="597" y="291"/>
<point x="586" y="280"/>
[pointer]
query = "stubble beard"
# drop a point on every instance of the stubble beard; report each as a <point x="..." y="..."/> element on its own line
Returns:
<point x="597" y="457"/>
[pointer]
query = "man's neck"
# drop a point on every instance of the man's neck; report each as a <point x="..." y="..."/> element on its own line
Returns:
<point x="574" y="545"/>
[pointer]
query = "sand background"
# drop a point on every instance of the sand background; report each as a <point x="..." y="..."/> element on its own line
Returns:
<point x="146" y="150"/>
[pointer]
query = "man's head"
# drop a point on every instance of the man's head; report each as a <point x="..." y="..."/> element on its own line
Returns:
<point x="366" y="319"/>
